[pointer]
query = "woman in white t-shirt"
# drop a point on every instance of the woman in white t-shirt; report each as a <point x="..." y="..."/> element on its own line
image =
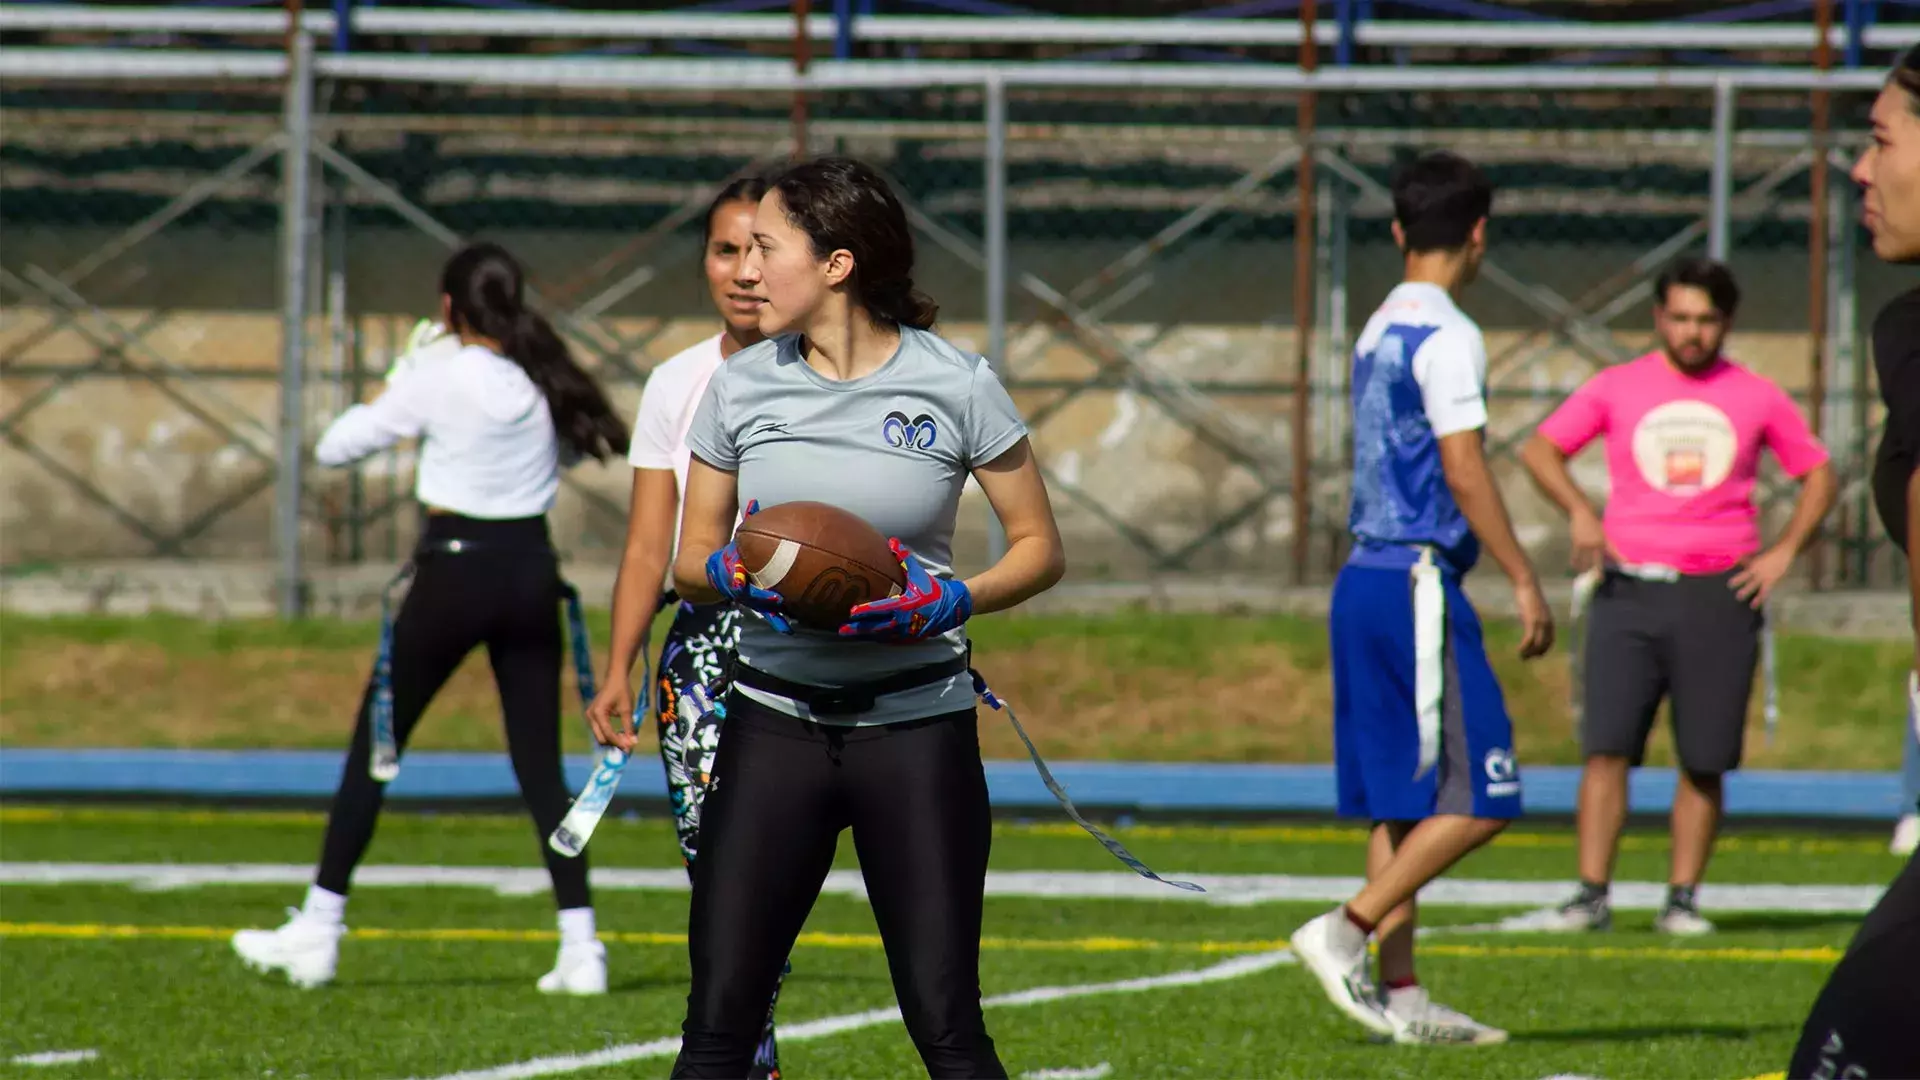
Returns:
<point x="700" y="642"/>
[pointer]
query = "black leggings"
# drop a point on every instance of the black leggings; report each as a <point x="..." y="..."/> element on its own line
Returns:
<point x="1862" y="1022"/>
<point x="915" y="796"/>
<point x="699" y="649"/>
<point x="504" y="593"/>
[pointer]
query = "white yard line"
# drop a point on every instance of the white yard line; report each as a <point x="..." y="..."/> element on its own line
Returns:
<point x="55" y="1057"/>
<point x="1098" y="1072"/>
<point x="1230" y="890"/>
<point x="1239" y="967"/>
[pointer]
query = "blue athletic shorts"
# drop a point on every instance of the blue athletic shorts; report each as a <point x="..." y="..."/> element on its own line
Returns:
<point x="1376" y="737"/>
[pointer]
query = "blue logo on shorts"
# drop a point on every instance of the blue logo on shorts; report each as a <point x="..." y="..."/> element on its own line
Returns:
<point x="916" y="434"/>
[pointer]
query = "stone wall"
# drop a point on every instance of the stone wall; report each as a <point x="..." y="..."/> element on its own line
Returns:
<point x="1222" y="321"/>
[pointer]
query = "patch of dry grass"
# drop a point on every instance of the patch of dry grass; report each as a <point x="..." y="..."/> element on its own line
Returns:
<point x="136" y="693"/>
<point x="1132" y="687"/>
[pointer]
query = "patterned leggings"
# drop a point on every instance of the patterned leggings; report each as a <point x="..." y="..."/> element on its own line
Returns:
<point x="698" y="648"/>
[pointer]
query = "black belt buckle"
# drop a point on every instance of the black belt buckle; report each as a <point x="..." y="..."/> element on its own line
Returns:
<point x="839" y="701"/>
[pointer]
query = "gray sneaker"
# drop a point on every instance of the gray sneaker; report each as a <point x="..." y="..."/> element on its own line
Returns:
<point x="1588" y="910"/>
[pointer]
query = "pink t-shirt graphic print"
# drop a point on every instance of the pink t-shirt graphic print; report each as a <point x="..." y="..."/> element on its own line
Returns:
<point x="1683" y="452"/>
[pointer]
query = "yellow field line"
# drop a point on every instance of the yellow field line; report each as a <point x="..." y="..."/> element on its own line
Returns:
<point x="814" y="939"/>
<point x="103" y="931"/>
<point x="1284" y="834"/>
<point x="1355" y="836"/>
<point x="1819" y="954"/>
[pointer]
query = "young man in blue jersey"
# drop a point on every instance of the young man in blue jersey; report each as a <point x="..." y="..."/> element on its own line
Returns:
<point x="1422" y="744"/>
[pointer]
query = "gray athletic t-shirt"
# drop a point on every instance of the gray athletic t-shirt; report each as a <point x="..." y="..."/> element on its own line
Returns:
<point x="894" y="447"/>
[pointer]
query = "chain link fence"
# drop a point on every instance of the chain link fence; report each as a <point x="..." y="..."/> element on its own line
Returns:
<point x="138" y="349"/>
<point x="600" y="196"/>
<point x="1144" y="239"/>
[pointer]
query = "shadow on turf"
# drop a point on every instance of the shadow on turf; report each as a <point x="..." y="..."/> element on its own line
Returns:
<point x="1786" y="920"/>
<point x="630" y="986"/>
<point x="451" y="980"/>
<point x="1723" y="1032"/>
<point x="645" y="983"/>
<point x="638" y="984"/>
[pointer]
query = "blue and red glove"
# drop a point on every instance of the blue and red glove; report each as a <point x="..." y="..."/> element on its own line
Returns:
<point x="929" y="607"/>
<point x="730" y="580"/>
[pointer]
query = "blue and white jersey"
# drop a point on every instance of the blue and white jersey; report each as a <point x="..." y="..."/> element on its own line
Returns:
<point x="1419" y="374"/>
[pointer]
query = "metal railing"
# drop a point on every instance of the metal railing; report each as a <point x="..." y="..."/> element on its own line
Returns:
<point x="1206" y="468"/>
<point x="826" y="26"/>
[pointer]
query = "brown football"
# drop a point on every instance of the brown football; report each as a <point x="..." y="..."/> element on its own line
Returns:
<point x="822" y="560"/>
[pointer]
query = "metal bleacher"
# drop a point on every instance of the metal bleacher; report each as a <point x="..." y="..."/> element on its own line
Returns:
<point x="1579" y="166"/>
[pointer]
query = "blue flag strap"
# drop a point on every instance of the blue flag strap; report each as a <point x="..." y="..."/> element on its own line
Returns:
<point x="383" y="764"/>
<point x="1060" y="795"/>
<point x="582" y="652"/>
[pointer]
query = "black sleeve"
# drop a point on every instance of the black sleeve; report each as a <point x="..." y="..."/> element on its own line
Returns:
<point x="1896" y="357"/>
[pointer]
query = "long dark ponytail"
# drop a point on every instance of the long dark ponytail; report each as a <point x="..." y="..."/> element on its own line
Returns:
<point x="484" y="287"/>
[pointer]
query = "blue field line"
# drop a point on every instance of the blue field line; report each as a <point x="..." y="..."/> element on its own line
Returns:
<point x="1013" y="785"/>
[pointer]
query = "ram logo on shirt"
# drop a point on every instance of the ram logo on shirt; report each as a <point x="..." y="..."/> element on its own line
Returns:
<point x="917" y="433"/>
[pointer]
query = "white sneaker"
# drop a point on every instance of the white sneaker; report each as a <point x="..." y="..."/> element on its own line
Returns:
<point x="1682" y="920"/>
<point x="1418" y="1019"/>
<point x="1341" y="969"/>
<point x="1906" y="836"/>
<point x="306" y="949"/>
<point x="580" y="969"/>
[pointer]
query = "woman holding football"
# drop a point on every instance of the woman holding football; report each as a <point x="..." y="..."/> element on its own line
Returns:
<point x="699" y="643"/>
<point x="870" y="726"/>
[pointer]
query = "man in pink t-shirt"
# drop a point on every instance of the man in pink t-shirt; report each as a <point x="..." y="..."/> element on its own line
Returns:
<point x="1682" y="574"/>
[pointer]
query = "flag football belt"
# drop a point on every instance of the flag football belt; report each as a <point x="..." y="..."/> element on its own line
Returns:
<point x="847" y="700"/>
<point x="843" y="700"/>
<point x="384" y="764"/>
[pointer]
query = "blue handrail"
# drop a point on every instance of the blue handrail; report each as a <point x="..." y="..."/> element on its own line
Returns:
<point x="843" y="29"/>
<point x="1477" y="9"/>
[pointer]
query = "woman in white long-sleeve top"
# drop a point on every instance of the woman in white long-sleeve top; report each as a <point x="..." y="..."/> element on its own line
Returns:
<point x="499" y="407"/>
